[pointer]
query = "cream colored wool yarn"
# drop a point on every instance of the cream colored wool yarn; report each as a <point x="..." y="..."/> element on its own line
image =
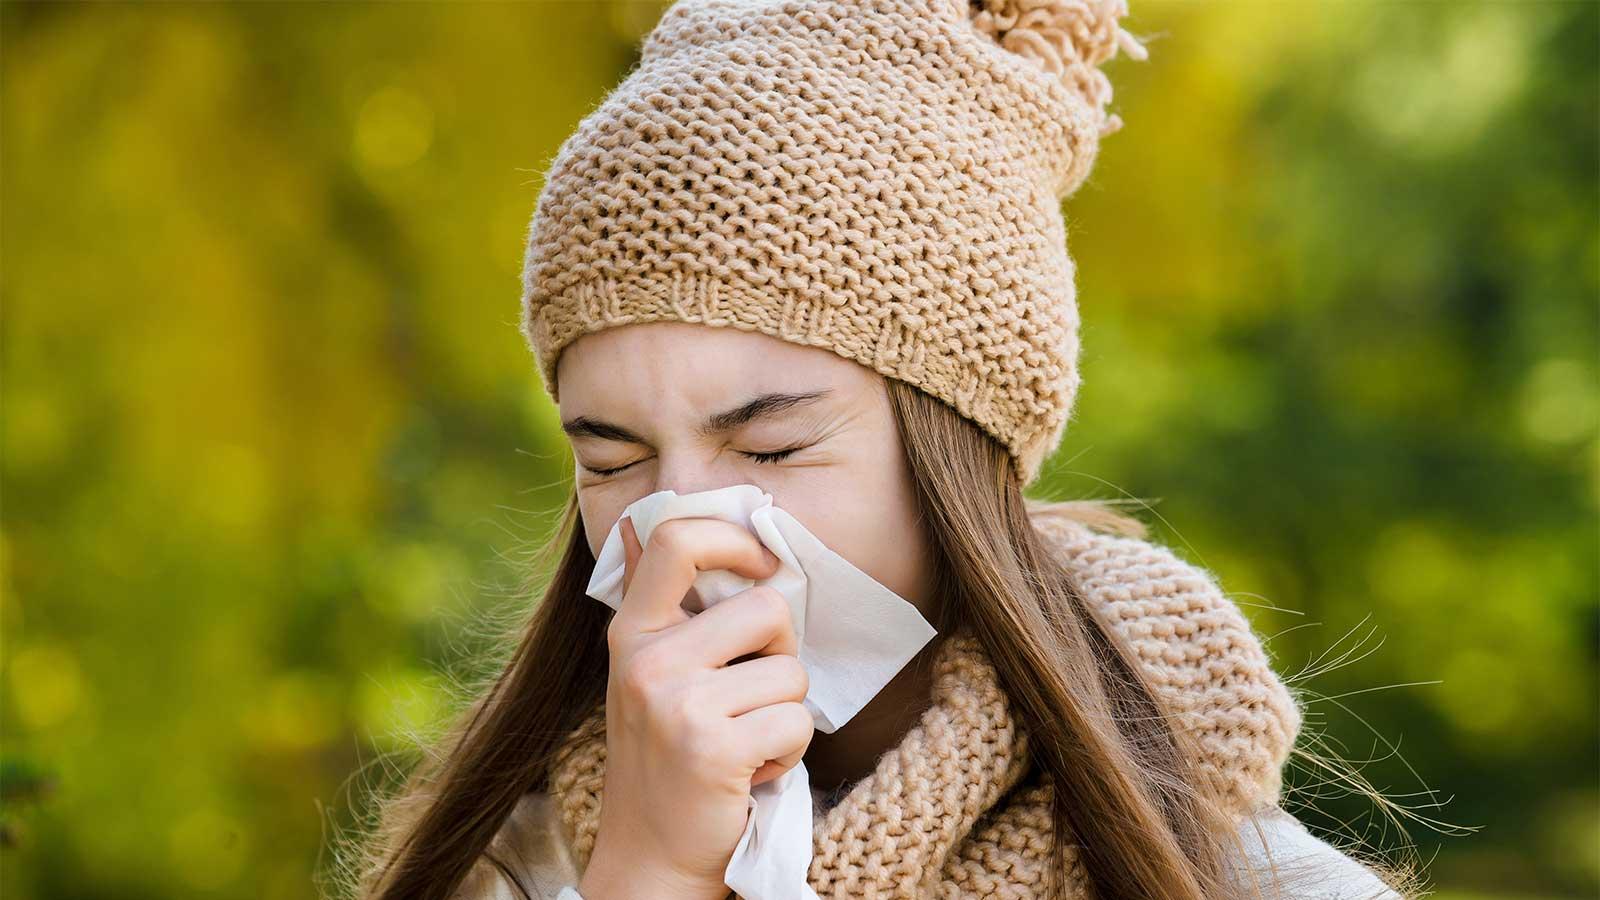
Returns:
<point x="881" y="178"/>
<point x="934" y="819"/>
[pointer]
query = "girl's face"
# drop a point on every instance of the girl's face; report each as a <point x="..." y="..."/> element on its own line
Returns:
<point x="686" y="407"/>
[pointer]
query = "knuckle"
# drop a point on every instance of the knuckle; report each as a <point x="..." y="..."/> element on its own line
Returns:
<point x="643" y="673"/>
<point x="701" y="745"/>
<point x="770" y="600"/>
<point x="689" y="700"/>
<point x="801" y="678"/>
<point x="667" y="539"/>
<point x="800" y="717"/>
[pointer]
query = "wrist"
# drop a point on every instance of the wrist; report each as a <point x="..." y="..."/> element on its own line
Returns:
<point x="628" y="880"/>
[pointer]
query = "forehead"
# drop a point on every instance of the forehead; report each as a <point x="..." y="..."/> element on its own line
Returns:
<point x="694" y="366"/>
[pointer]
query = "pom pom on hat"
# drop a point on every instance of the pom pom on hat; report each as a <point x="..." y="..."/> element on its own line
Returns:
<point x="1068" y="38"/>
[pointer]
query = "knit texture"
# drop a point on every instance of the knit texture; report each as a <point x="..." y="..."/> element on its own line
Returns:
<point x="934" y="819"/>
<point x="880" y="178"/>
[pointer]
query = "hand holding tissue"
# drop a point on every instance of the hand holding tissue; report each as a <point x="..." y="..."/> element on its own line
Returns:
<point x="854" y="636"/>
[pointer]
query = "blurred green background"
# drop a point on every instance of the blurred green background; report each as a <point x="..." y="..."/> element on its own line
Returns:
<point x="274" y="453"/>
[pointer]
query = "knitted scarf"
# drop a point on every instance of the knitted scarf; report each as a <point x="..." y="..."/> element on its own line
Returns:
<point x="932" y="820"/>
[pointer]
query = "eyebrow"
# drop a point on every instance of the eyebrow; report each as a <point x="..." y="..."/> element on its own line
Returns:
<point x="717" y="423"/>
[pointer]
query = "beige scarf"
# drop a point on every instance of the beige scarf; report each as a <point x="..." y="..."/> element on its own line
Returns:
<point x="927" y="822"/>
<point x="934" y="818"/>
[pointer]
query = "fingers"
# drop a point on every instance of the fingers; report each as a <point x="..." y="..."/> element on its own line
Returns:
<point x="759" y="699"/>
<point x="757" y="620"/>
<point x="758" y="682"/>
<point x="676" y="552"/>
<point x="631" y="550"/>
<point x="776" y="737"/>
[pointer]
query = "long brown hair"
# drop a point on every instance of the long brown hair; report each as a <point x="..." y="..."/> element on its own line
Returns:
<point x="1125" y="790"/>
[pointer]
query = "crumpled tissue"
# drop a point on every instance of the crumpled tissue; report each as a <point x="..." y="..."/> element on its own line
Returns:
<point x="854" y="635"/>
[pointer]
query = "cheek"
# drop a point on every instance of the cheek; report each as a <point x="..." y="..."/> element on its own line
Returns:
<point x="877" y="532"/>
<point x="865" y="510"/>
<point x="891" y="550"/>
<point x="600" y="510"/>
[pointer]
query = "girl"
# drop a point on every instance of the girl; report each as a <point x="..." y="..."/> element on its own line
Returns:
<point x="816" y="246"/>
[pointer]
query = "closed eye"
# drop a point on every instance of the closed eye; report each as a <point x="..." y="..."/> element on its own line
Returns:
<point x="614" y="471"/>
<point x="772" y="456"/>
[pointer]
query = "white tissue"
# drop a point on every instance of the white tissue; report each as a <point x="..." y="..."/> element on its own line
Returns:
<point x="854" y="635"/>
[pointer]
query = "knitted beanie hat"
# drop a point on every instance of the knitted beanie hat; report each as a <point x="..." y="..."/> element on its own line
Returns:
<point x="881" y="178"/>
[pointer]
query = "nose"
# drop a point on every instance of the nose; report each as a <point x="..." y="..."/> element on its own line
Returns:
<point x="686" y="473"/>
<point x="690" y="471"/>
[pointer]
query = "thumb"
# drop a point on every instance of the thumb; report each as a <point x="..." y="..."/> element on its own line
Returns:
<point x="631" y="551"/>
